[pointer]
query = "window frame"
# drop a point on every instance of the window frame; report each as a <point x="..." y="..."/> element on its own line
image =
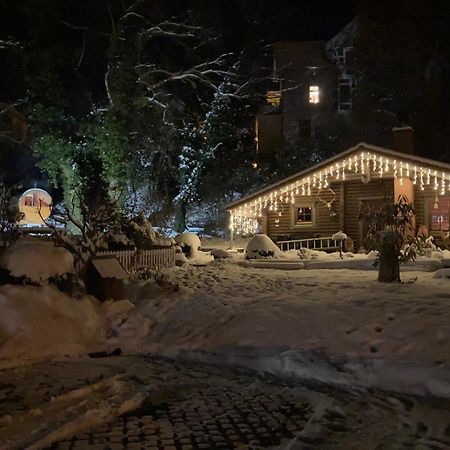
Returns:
<point x="303" y="204"/>
<point x="443" y="209"/>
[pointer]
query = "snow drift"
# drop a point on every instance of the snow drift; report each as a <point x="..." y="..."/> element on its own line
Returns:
<point x="39" y="322"/>
<point x="261" y="246"/>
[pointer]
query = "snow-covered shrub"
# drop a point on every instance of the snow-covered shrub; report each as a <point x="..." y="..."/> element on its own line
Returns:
<point x="36" y="261"/>
<point x="422" y="246"/>
<point x="140" y="231"/>
<point x="261" y="246"/>
<point x="189" y="243"/>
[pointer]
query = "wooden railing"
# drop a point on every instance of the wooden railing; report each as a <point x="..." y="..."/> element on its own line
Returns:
<point x="323" y="243"/>
<point x="155" y="258"/>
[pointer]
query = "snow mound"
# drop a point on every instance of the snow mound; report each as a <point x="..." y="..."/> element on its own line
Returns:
<point x="194" y="256"/>
<point x="219" y="253"/>
<point x="188" y="239"/>
<point x="36" y="260"/>
<point x="280" y="264"/>
<point x="442" y="273"/>
<point x="39" y="322"/>
<point x="261" y="246"/>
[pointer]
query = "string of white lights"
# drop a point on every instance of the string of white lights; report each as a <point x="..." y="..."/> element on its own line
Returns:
<point x="244" y="218"/>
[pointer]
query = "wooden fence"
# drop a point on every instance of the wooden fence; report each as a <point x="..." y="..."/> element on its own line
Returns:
<point x="133" y="260"/>
<point x="323" y="243"/>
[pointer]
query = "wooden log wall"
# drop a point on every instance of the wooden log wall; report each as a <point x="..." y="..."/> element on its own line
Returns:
<point x="346" y="205"/>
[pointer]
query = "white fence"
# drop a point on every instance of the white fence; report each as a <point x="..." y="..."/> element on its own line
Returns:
<point x="324" y="243"/>
<point x="156" y="258"/>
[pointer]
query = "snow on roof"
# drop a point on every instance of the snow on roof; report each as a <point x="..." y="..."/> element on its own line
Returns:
<point x="110" y="268"/>
<point x="338" y="164"/>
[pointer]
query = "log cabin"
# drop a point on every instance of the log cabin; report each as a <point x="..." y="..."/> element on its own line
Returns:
<point x="326" y="198"/>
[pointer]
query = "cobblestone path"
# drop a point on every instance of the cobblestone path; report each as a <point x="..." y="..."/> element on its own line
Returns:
<point x="199" y="406"/>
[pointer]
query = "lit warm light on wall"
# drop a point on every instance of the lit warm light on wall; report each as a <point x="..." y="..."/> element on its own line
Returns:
<point x="314" y="94"/>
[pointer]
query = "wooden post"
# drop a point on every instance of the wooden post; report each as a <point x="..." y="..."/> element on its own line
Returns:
<point x="389" y="269"/>
<point x="341" y="206"/>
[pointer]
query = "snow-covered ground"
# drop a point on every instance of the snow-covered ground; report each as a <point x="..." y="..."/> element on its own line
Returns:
<point x="334" y="326"/>
<point x="341" y="326"/>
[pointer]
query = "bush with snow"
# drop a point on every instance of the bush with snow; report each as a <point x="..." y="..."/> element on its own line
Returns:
<point x="36" y="260"/>
<point x="190" y="244"/>
<point x="261" y="246"/>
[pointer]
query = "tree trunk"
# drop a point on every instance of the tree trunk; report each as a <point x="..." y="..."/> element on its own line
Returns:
<point x="180" y="218"/>
<point x="389" y="269"/>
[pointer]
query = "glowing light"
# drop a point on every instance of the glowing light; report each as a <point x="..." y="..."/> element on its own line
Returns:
<point x="314" y="94"/>
<point x="244" y="218"/>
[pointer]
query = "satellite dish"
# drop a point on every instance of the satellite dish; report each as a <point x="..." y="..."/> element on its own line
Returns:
<point x="36" y="206"/>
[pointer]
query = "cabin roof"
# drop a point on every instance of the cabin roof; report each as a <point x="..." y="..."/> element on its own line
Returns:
<point x="361" y="147"/>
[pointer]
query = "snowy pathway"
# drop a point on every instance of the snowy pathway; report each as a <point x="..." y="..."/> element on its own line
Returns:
<point x="335" y="326"/>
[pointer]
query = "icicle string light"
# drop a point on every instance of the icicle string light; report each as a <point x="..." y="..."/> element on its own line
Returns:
<point x="244" y="218"/>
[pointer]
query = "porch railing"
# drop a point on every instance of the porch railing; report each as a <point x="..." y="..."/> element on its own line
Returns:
<point x="155" y="258"/>
<point x="322" y="243"/>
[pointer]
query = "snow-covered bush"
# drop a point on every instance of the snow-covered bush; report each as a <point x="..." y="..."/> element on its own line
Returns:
<point x="189" y="243"/>
<point x="36" y="261"/>
<point x="261" y="246"/>
<point x="140" y="231"/>
<point x="422" y="246"/>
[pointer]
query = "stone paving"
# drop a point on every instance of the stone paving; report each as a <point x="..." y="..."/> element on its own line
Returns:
<point x="194" y="406"/>
<point x="244" y="412"/>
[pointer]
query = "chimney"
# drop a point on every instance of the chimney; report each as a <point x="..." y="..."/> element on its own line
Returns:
<point x="403" y="139"/>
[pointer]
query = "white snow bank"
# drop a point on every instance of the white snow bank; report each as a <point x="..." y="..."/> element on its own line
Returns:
<point x="442" y="273"/>
<point x="36" y="260"/>
<point x="261" y="246"/>
<point x="356" y="264"/>
<point x="280" y="264"/>
<point x="38" y="322"/>
<point x="311" y="254"/>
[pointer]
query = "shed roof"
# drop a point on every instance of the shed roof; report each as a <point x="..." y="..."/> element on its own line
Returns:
<point x="109" y="267"/>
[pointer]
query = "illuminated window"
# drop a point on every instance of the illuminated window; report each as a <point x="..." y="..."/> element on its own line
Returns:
<point x="314" y="94"/>
<point x="304" y="214"/>
<point x="439" y="215"/>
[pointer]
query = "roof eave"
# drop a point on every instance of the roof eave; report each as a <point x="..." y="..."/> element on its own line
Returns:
<point x="357" y="147"/>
